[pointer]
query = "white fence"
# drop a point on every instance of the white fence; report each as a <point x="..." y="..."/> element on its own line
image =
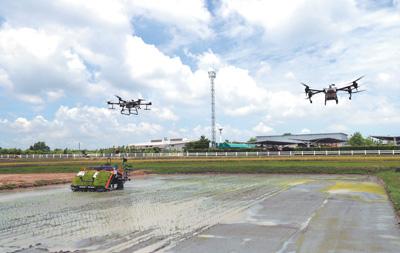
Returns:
<point x="208" y="154"/>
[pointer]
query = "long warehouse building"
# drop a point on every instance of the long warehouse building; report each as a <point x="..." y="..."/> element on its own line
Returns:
<point x="307" y="140"/>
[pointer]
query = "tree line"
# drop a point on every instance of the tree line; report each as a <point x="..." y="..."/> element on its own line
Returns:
<point x="356" y="141"/>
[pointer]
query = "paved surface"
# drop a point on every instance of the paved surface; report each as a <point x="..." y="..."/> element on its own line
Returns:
<point x="223" y="213"/>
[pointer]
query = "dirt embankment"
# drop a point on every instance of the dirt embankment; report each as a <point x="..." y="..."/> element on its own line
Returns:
<point x="12" y="181"/>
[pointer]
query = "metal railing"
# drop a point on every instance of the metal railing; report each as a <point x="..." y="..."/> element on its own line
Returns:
<point x="208" y="154"/>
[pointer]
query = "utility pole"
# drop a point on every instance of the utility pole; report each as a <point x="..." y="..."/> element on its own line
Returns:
<point x="220" y="135"/>
<point x="212" y="75"/>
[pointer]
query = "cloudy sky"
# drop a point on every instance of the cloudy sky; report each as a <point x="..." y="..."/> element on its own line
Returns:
<point x="61" y="60"/>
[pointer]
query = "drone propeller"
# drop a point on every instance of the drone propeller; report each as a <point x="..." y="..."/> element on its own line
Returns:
<point x="120" y="99"/>
<point x="308" y="92"/>
<point x="358" y="79"/>
<point x="354" y="83"/>
<point x="359" y="91"/>
<point x="307" y="89"/>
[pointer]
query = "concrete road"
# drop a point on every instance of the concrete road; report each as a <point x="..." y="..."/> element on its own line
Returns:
<point x="205" y="213"/>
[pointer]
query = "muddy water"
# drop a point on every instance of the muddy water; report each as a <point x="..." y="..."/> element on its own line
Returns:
<point x="148" y="211"/>
<point x="163" y="213"/>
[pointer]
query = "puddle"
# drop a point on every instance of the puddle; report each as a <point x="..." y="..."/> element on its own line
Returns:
<point x="341" y="187"/>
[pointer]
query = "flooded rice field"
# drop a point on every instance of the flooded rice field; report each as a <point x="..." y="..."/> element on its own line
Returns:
<point x="204" y="213"/>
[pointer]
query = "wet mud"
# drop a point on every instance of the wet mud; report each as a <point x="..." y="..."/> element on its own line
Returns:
<point x="204" y="213"/>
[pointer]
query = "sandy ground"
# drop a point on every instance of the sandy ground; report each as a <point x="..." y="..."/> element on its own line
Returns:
<point x="26" y="180"/>
<point x="204" y="213"/>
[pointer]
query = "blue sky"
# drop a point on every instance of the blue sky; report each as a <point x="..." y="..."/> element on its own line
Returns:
<point x="60" y="61"/>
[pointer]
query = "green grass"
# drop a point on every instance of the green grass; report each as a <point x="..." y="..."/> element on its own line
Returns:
<point x="224" y="166"/>
<point x="39" y="169"/>
<point x="392" y="185"/>
<point x="262" y="166"/>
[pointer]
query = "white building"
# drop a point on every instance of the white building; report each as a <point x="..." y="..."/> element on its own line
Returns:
<point x="176" y="144"/>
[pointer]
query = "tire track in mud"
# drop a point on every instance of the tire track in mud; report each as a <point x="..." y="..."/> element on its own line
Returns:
<point x="148" y="218"/>
<point x="217" y="216"/>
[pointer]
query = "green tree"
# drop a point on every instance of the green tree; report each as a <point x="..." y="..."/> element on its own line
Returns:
<point x="369" y="142"/>
<point x="357" y="139"/>
<point x="202" y="143"/>
<point x="40" y="146"/>
<point x="252" y="139"/>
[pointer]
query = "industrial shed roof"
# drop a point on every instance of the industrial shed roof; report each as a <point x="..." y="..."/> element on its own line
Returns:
<point x="288" y="139"/>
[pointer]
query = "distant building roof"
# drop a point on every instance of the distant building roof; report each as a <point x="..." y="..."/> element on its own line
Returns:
<point x="288" y="139"/>
<point x="395" y="139"/>
<point x="386" y="137"/>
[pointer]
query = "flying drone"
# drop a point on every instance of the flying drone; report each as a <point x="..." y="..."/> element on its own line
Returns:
<point x="129" y="107"/>
<point x="331" y="91"/>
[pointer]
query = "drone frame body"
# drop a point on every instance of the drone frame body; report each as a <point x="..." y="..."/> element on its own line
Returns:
<point x="131" y="107"/>
<point x="331" y="91"/>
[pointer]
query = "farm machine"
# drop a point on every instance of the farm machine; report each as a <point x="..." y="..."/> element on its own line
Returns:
<point x="102" y="178"/>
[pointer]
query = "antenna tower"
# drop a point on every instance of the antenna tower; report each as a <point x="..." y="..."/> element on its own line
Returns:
<point x="212" y="75"/>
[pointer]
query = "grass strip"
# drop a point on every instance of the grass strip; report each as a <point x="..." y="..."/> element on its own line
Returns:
<point x="392" y="184"/>
<point x="227" y="166"/>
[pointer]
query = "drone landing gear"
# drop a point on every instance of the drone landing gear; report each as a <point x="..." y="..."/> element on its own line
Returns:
<point x="129" y="111"/>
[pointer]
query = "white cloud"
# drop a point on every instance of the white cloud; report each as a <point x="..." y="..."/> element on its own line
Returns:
<point x="209" y="61"/>
<point x="337" y="128"/>
<point x="77" y="53"/>
<point x="93" y="127"/>
<point x="107" y="11"/>
<point x="35" y="43"/>
<point x="189" y="15"/>
<point x="262" y="128"/>
<point x="5" y="80"/>
<point x="54" y="95"/>
<point x="168" y="76"/>
<point x="238" y="92"/>
<point x="263" y="70"/>
<point x="294" y="20"/>
<point x="289" y="75"/>
<point x="32" y="99"/>
<point x="165" y="114"/>
<point x="384" y="77"/>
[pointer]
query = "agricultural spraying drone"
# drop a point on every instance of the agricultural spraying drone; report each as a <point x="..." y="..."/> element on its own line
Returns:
<point x="129" y="107"/>
<point x="331" y="91"/>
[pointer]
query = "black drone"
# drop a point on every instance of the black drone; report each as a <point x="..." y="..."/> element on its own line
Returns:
<point x="331" y="91"/>
<point x="129" y="107"/>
